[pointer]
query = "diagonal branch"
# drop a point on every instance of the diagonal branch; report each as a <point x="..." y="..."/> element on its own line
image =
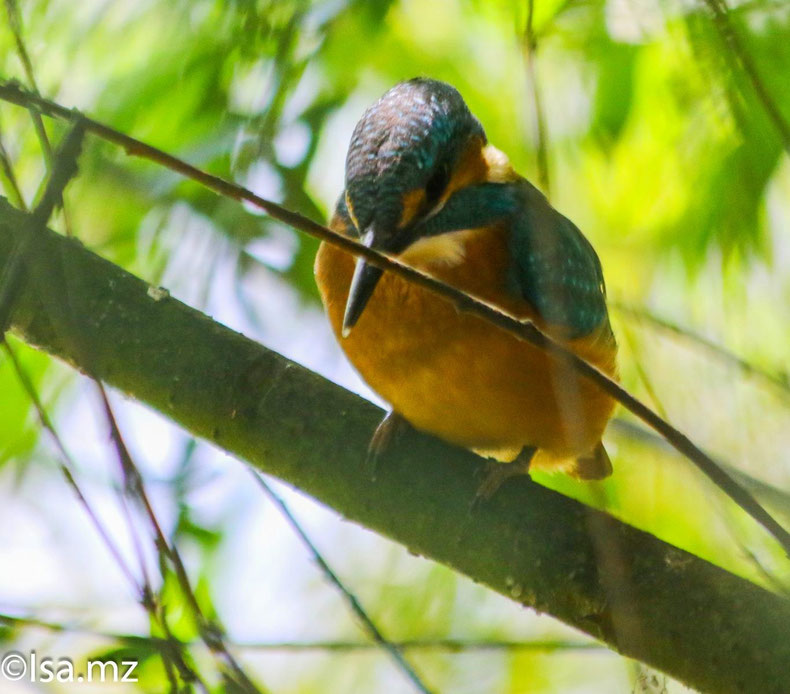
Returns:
<point x="728" y="33"/>
<point x="9" y="177"/>
<point x="773" y="377"/>
<point x="15" y="24"/>
<point x="172" y="650"/>
<point x="63" y="169"/>
<point x="522" y="329"/>
<point x="529" y="49"/>
<point x="67" y="468"/>
<point x="351" y="600"/>
<point x="134" y="488"/>
<point x="702" y="625"/>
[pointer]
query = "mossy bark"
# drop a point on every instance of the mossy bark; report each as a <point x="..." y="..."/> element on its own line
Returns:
<point x="643" y="597"/>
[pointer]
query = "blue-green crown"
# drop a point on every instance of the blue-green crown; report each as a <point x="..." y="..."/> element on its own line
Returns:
<point x="400" y="142"/>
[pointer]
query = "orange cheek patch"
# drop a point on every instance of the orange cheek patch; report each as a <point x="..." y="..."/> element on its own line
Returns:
<point x="412" y="204"/>
<point x="471" y="168"/>
<point x="350" y="209"/>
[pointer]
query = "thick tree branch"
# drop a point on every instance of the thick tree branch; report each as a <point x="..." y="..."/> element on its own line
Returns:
<point x="522" y="329"/>
<point x="641" y="596"/>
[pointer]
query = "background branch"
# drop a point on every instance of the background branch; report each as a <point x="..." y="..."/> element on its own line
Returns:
<point x="732" y="39"/>
<point x="350" y="599"/>
<point x="529" y="50"/>
<point x="774" y="378"/>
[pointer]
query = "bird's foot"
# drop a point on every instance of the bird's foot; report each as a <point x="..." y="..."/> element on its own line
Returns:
<point x="495" y="474"/>
<point x="389" y="430"/>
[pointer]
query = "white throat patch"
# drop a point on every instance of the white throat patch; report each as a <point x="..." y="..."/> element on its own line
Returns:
<point x="447" y="249"/>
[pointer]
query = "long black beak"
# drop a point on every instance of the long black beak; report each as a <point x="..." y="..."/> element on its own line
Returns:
<point x="363" y="283"/>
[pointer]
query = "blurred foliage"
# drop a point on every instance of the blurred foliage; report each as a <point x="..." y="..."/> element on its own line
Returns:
<point x="659" y="146"/>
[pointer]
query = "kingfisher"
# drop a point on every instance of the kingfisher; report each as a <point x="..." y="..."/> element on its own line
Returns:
<point x="423" y="185"/>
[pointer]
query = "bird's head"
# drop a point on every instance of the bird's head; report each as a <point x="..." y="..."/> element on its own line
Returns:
<point x="410" y="155"/>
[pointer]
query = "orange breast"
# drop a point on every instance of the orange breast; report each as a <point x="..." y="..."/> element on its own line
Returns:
<point x="457" y="377"/>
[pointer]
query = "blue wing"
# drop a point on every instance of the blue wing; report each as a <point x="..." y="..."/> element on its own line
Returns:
<point x="555" y="268"/>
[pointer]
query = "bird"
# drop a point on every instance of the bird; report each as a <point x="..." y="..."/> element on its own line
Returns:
<point x="424" y="185"/>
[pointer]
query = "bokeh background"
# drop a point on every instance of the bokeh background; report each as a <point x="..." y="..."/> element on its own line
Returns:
<point x="656" y="125"/>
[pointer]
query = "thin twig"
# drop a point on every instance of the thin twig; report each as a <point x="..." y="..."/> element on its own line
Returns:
<point x="12" y="185"/>
<point x="777" y="498"/>
<point x="520" y="328"/>
<point x="529" y="46"/>
<point x="369" y="625"/>
<point x="15" y="23"/>
<point x="775" y="379"/>
<point x="67" y="467"/>
<point x="209" y="632"/>
<point x="647" y="382"/>
<point x="721" y="19"/>
<point x="64" y="168"/>
<point x="450" y="645"/>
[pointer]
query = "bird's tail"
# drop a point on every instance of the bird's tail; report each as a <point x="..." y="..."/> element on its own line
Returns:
<point x="593" y="466"/>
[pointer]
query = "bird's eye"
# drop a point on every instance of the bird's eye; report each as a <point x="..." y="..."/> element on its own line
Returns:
<point x="437" y="183"/>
